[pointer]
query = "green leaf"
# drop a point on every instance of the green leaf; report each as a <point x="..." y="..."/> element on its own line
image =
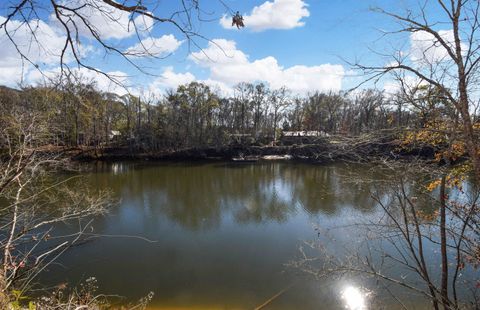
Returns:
<point x="31" y="306"/>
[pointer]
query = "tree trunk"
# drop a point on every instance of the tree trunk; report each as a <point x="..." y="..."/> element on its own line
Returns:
<point x="443" y="245"/>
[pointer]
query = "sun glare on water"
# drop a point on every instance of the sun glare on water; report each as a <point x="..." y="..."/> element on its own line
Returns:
<point x="353" y="298"/>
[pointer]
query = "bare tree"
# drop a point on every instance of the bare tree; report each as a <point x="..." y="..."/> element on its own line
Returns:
<point x="82" y="20"/>
<point x="446" y="60"/>
<point x="32" y="203"/>
<point x="279" y="100"/>
<point x="414" y="224"/>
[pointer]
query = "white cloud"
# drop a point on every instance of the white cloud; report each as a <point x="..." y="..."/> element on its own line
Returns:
<point x="391" y="87"/>
<point x="279" y="14"/>
<point x="304" y="79"/>
<point x="426" y="54"/>
<point x="425" y="49"/>
<point x="43" y="48"/>
<point x="409" y="83"/>
<point x="25" y="41"/>
<point x="218" y="87"/>
<point x="10" y="76"/>
<point x="45" y="45"/>
<point x="143" y="24"/>
<point x="230" y="66"/>
<point x="102" y="82"/>
<point x="159" y="47"/>
<point x="107" y="21"/>
<point x="170" y="80"/>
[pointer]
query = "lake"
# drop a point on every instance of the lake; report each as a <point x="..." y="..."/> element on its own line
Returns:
<point x="221" y="235"/>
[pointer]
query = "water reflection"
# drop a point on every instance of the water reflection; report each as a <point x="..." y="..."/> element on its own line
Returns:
<point x="118" y="168"/>
<point x="197" y="196"/>
<point x="353" y="298"/>
<point x="223" y="233"/>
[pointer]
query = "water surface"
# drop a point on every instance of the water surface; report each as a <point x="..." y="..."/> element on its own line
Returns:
<point x="219" y="235"/>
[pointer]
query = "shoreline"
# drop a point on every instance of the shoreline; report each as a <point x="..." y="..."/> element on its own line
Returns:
<point x="327" y="151"/>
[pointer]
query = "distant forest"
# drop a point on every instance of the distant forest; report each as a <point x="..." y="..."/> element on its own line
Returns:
<point x="193" y="115"/>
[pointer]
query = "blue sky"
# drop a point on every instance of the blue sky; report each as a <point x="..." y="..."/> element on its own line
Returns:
<point x="301" y="44"/>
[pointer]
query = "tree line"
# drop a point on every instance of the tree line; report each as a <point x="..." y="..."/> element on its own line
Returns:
<point x="194" y="115"/>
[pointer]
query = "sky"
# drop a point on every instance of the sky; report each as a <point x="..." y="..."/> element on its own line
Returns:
<point x="304" y="45"/>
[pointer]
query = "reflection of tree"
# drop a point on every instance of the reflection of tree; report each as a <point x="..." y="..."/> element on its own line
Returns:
<point x="192" y="198"/>
<point x="269" y="201"/>
<point x="197" y="196"/>
<point x="423" y="242"/>
<point x="186" y="195"/>
<point x="317" y="189"/>
<point x="327" y="189"/>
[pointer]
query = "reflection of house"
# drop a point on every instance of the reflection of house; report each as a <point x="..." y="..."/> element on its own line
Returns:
<point x="114" y="135"/>
<point x="303" y="136"/>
